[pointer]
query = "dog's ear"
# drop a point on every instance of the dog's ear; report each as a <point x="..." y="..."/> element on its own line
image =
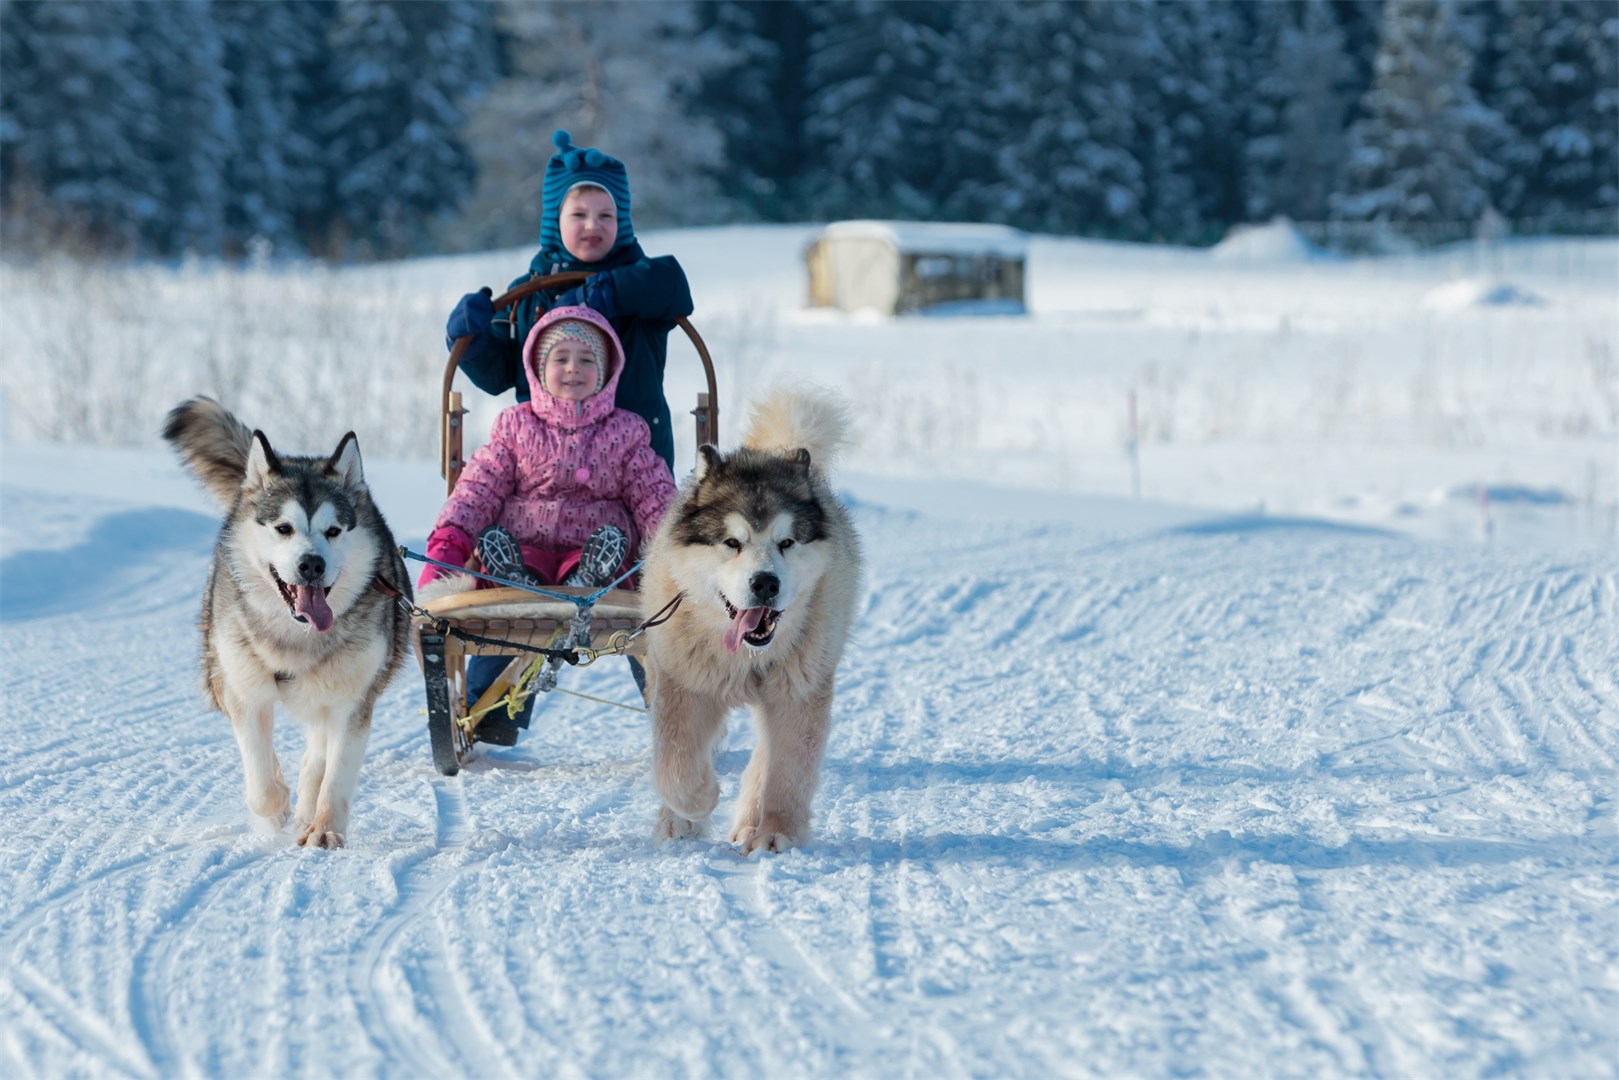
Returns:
<point x="708" y="460"/>
<point x="261" y="461"/>
<point x="345" y="463"/>
<point x="798" y="459"/>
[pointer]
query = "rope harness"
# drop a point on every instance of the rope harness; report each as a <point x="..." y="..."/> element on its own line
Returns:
<point x="540" y="675"/>
<point x="576" y="655"/>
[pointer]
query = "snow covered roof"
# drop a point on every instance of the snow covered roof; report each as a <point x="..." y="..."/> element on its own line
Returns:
<point x="935" y="237"/>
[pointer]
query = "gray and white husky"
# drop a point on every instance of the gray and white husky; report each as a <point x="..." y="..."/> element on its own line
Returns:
<point x="297" y="610"/>
<point x="770" y="567"/>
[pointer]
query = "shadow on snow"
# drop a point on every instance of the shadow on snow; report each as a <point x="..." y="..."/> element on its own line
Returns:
<point x="123" y="552"/>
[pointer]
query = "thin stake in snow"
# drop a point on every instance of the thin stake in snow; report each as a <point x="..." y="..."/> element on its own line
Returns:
<point x="1132" y="446"/>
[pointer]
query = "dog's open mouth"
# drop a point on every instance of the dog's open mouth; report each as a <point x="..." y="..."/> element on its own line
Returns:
<point x="752" y="626"/>
<point x="306" y="602"/>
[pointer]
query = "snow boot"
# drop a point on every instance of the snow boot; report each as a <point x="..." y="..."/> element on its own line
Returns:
<point x="501" y="556"/>
<point x="603" y="554"/>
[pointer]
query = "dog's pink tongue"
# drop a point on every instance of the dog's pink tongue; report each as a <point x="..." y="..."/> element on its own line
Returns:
<point x="310" y="602"/>
<point x="741" y="623"/>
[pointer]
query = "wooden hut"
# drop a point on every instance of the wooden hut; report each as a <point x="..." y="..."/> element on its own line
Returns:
<point x="897" y="267"/>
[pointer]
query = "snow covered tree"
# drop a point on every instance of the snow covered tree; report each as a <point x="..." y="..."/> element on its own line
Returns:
<point x="1413" y="156"/>
<point x="870" y="108"/>
<point x="1362" y="25"/>
<point x="756" y="93"/>
<point x="72" y="119"/>
<point x="392" y="124"/>
<point x="1191" y="132"/>
<point x="188" y="138"/>
<point x="881" y="75"/>
<point x="1060" y="90"/>
<point x="616" y="76"/>
<point x="1264" y="154"/>
<point x="276" y="59"/>
<point x="1021" y="113"/>
<point x="1555" y="83"/>
<point x="1299" y="107"/>
<point x="984" y="112"/>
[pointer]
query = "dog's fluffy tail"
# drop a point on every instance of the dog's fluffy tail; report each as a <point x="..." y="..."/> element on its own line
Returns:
<point x="213" y="444"/>
<point x="790" y="417"/>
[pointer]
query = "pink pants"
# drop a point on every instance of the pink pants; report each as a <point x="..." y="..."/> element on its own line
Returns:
<point x="552" y="566"/>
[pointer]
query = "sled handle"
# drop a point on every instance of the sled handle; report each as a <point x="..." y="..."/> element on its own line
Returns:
<point x="452" y="430"/>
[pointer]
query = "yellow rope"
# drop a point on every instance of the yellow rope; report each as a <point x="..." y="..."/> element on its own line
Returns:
<point x="513" y="698"/>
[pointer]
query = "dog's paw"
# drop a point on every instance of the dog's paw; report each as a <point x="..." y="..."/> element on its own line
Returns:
<point x="692" y="798"/>
<point x="271" y="808"/>
<point x="312" y="835"/>
<point x="746" y="823"/>
<point x="774" y="832"/>
<point x="671" y="826"/>
<point x="758" y="840"/>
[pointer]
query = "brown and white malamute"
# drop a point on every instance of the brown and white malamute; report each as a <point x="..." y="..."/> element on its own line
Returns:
<point x="770" y="568"/>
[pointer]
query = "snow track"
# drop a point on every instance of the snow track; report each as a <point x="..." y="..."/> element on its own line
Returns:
<point x="415" y="1004"/>
<point x="1212" y="797"/>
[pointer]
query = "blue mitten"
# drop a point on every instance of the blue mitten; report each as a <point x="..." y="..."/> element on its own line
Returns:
<point x="598" y="293"/>
<point x="471" y="316"/>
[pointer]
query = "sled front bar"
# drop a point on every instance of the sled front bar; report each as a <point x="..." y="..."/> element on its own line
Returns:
<point x="512" y="615"/>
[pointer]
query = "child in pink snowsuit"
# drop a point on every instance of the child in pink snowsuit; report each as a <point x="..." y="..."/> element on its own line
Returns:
<point x="568" y="486"/>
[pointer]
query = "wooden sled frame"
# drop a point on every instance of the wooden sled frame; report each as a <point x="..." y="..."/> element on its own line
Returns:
<point x="511" y="615"/>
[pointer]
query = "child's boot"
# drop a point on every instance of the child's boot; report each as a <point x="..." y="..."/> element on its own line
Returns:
<point x="603" y="554"/>
<point x="502" y="556"/>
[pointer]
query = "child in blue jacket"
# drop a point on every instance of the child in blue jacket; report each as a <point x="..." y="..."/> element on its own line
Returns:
<point x="585" y="225"/>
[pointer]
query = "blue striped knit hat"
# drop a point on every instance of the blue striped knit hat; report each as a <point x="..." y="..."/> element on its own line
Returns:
<point x="569" y="167"/>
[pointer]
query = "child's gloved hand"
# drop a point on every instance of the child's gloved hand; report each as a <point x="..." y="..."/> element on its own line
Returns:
<point x="598" y="293"/>
<point x="449" y="544"/>
<point x="471" y="316"/>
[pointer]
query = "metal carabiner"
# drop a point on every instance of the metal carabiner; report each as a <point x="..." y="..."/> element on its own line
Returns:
<point x="617" y="645"/>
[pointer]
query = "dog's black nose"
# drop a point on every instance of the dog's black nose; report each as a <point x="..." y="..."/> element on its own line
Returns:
<point x="765" y="586"/>
<point x="312" y="567"/>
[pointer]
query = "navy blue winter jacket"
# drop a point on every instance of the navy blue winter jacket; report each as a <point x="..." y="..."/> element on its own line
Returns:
<point x="648" y="296"/>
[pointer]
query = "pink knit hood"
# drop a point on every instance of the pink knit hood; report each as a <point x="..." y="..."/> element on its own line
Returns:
<point x="553" y="471"/>
<point x="572" y="414"/>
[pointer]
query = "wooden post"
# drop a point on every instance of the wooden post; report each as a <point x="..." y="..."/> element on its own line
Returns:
<point x="454" y="455"/>
<point x="701" y="413"/>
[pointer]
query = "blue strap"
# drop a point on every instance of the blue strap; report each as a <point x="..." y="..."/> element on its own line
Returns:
<point x="578" y="601"/>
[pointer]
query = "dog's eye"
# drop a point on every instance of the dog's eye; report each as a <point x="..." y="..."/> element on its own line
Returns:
<point x="785" y="544"/>
<point x="733" y="543"/>
<point x="284" y="529"/>
<point x="334" y="532"/>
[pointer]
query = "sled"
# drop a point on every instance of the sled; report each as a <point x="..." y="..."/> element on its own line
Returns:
<point x="511" y="621"/>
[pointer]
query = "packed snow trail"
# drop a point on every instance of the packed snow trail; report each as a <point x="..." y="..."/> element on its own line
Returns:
<point x="1110" y="791"/>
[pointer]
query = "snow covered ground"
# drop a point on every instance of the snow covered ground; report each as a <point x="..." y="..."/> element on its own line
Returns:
<point x="1292" y="767"/>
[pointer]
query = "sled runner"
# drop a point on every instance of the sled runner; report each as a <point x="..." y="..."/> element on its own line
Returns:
<point x="548" y="630"/>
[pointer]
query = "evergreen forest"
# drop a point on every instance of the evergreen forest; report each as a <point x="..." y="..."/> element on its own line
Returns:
<point x="363" y="129"/>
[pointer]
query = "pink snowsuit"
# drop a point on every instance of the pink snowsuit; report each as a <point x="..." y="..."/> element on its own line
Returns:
<point x="553" y="471"/>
